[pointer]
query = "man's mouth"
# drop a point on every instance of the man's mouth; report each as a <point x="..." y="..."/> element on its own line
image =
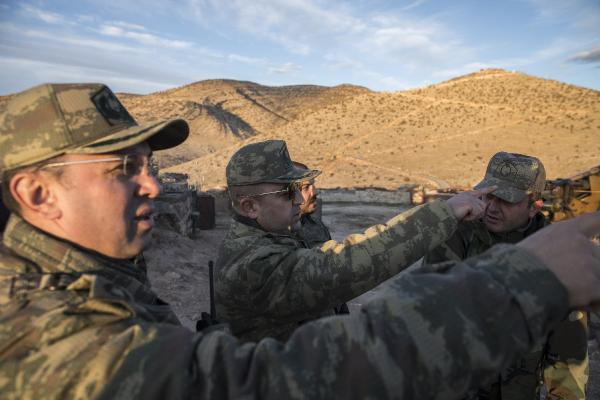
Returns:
<point x="144" y="217"/>
<point x="492" y="218"/>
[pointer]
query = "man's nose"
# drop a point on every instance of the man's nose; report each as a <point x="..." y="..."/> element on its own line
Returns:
<point x="148" y="185"/>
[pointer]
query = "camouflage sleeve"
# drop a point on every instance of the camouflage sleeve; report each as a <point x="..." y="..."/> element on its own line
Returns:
<point x="566" y="360"/>
<point x="282" y="282"/>
<point x="451" y="250"/>
<point x="427" y="337"/>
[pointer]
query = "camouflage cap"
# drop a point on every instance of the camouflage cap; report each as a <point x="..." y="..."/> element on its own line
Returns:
<point x="264" y="162"/>
<point x="300" y="165"/>
<point x="516" y="176"/>
<point x="53" y="119"/>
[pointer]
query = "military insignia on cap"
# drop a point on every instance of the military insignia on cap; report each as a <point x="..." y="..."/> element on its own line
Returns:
<point x="506" y="169"/>
<point x="111" y="108"/>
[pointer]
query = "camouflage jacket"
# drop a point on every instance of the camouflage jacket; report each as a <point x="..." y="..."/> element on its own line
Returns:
<point x="313" y="231"/>
<point x="266" y="284"/>
<point x="563" y="358"/>
<point x="77" y="325"/>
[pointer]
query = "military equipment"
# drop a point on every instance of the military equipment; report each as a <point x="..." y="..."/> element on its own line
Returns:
<point x="568" y="198"/>
<point x="209" y="319"/>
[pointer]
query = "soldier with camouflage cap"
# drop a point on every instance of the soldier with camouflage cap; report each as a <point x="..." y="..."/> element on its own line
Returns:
<point x="558" y="368"/>
<point x="79" y="319"/>
<point x="267" y="281"/>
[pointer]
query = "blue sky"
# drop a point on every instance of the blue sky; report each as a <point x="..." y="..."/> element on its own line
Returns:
<point x="148" y="45"/>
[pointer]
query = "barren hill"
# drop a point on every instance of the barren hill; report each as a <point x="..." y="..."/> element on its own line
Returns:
<point x="222" y="112"/>
<point x="439" y="135"/>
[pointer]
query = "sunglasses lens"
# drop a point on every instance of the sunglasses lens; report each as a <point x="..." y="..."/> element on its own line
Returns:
<point x="133" y="165"/>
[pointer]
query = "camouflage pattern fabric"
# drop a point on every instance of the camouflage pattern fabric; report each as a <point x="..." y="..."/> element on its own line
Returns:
<point x="77" y="325"/>
<point x="266" y="284"/>
<point x="563" y="357"/>
<point x="267" y="161"/>
<point x="313" y="231"/>
<point x="516" y="176"/>
<point x="53" y="119"/>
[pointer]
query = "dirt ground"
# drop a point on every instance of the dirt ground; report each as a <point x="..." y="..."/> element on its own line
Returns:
<point x="178" y="266"/>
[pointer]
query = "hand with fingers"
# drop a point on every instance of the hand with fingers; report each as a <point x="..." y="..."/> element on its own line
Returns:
<point x="468" y="206"/>
<point x="568" y="251"/>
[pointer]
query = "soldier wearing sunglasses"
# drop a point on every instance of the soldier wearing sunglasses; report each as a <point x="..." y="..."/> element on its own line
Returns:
<point x="267" y="281"/>
<point x="79" y="320"/>
<point x="312" y="229"/>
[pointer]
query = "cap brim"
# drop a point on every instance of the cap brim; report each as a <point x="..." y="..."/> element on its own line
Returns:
<point x="504" y="191"/>
<point x="159" y="135"/>
<point x="296" y="174"/>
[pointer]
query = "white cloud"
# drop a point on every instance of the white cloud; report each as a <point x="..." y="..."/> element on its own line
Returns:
<point x="587" y="56"/>
<point x="46" y="16"/>
<point x="286" y="68"/>
<point x="79" y="41"/>
<point x="315" y="27"/>
<point x="581" y="14"/>
<point x="246" y="60"/>
<point x="414" y="4"/>
<point x="342" y="62"/>
<point x="43" y="71"/>
<point x="144" y="38"/>
<point x="128" y="25"/>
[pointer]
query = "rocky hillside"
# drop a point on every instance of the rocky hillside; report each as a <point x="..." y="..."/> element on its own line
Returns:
<point x="440" y="135"/>
<point x="223" y="112"/>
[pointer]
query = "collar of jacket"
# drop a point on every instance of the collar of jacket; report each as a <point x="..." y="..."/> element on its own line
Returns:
<point x="536" y="223"/>
<point x="242" y="219"/>
<point x="243" y="226"/>
<point x="308" y="217"/>
<point x="52" y="254"/>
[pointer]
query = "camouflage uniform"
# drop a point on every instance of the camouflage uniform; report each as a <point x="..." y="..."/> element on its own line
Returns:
<point x="266" y="284"/>
<point x="313" y="231"/>
<point x="75" y="324"/>
<point x="562" y="361"/>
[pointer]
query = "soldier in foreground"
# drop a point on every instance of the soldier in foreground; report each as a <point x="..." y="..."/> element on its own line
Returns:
<point x="558" y="367"/>
<point x="79" y="320"/>
<point x="312" y="229"/>
<point x="267" y="281"/>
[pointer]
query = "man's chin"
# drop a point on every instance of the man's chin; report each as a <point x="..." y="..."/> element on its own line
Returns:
<point x="494" y="227"/>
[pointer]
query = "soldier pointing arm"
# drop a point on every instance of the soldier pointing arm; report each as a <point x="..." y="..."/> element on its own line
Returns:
<point x="267" y="281"/>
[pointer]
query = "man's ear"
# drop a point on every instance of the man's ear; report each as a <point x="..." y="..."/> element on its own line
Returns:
<point x="535" y="207"/>
<point x="35" y="195"/>
<point x="249" y="207"/>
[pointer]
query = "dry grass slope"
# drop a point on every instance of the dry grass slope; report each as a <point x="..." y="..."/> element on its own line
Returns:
<point x="439" y="135"/>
